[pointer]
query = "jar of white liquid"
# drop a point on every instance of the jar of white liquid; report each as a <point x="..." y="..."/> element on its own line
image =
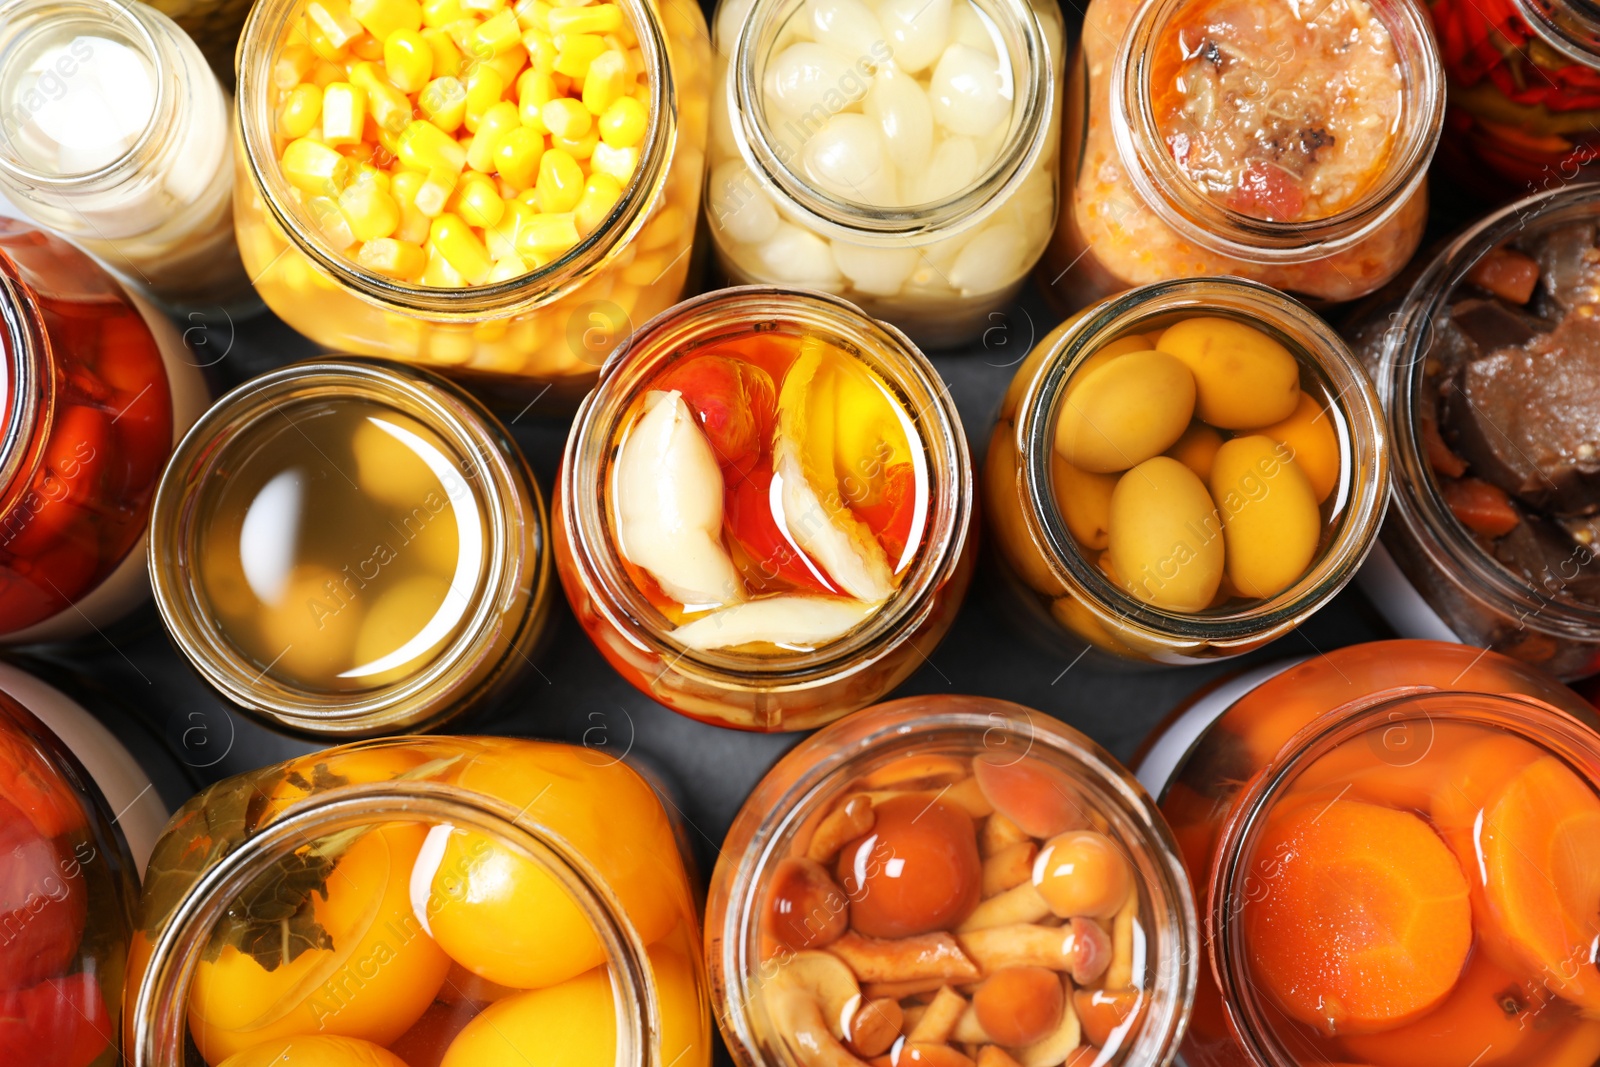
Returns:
<point x="114" y="134"/>
<point x="899" y="153"/>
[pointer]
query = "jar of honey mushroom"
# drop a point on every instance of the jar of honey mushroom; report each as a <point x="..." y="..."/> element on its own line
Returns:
<point x="347" y="548"/>
<point x="439" y="902"/>
<point x="950" y="881"/>
<point x="763" y="508"/>
<point x="1183" y="472"/>
<point x="503" y="192"/>
<point x="96" y="386"/>
<point x="1397" y="852"/>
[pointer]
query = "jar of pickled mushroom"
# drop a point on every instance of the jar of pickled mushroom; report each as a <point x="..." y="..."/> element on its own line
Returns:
<point x="72" y="803"/>
<point x="901" y="153"/>
<point x="762" y="514"/>
<point x="1279" y="142"/>
<point x="950" y="881"/>
<point x="96" y="387"/>
<point x="1396" y="847"/>
<point x="1184" y="473"/>
<point x="500" y="191"/>
<point x="115" y="135"/>
<point x="1489" y="368"/>
<point x="441" y="902"/>
<point x="347" y="548"/>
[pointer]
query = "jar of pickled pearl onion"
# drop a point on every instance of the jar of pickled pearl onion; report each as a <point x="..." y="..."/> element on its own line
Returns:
<point x="899" y="153"/>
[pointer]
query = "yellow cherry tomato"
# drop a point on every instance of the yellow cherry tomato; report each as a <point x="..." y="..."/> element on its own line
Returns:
<point x="1312" y="442"/>
<point x="1197" y="449"/>
<point x="321" y="771"/>
<point x="315" y="1051"/>
<point x="1084" y="500"/>
<point x="573" y="1024"/>
<point x="1124" y="411"/>
<point x="1269" y="515"/>
<point x="1166" y="538"/>
<point x="1243" y="378"/>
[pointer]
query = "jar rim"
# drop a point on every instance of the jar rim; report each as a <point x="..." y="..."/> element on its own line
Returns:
<point x="1416" y="495"/>
<point x="1572" y="29"/>
<point x="641" y="356"/>
<point x="30" y="389"/>
<point x="267" y="23"/>
<point x="516" y="561"/>
<point x="850" y="220"/>
<point x="1364" y="460"/>
<point x="1183" y="206"/>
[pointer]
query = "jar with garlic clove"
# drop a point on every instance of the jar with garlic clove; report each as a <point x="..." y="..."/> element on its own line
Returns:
<point x="950" y="881"/>
<point x="763" y="509"/>
<point x="900" y="153"/>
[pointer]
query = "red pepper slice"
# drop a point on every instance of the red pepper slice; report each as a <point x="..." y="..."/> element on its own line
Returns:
<point x="62" y="1022"/>
<point x="734" y="401"/>
<point x="747" y="512"/>
<point x="891" y="515"/>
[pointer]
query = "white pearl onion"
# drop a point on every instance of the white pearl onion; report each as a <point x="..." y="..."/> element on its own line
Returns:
<point x="739" y="206"/>
<point x="878" y="271"/>
<point x="918" y="30"/>
<point x="846" y="157"/>
<point x="805" y="75"/>
<point x="799" y="257"/>
<point x="731" y="17"/>
<point x="990" y="260"/>
<point x="849" y="28"/>
<point x="965" y="92"/>
<point x="954" y="166"/>
<point x="968" y="27"/>
<point x="900" y="108"/>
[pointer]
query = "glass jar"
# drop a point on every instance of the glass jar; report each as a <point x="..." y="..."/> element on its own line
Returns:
<point x="938" y="848"/>
<point x="859" y="151"/>
<point x="1184" y="583"/>
<point x="1422" y="757"/>
<point x="72" y="802"/>
<point x="729" y="551"/>
<point x="214" y="25"/>
<point x="420" y="901"/>
<point x="1143" y="94"/>
<point x="116" y="137"/>
<point x="545" y="326"/>
<point x="1480" y="545"/>
<point x="347" y="548"/>
<point x="96" y="387"/>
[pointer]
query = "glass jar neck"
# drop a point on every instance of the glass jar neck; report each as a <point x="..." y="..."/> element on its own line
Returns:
<point x="269" y="25"/>
<point x="1359" y="427"/>
<point x="159" y="1010"/>
<point x="1571" y="27"/>
<point x="773" y="153"/>
<point x="1400" y="377"/>
<point x="752" y="308"/>
<point x="1184" y="206"/>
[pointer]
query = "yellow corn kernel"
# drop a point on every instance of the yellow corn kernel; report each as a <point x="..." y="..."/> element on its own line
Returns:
<point x="440" y="274"/>
<point x="330" y="222"/>
<point x="453" y="239"/>
<point x="297" y="115"/>
<point x="444" y="101"/>
<point x="446" y="56"/>
<point x="608" y="80"/>
<point x="579" y="148"/>
<point x="594" y="18"/>
<point x="292" y="65"/>
<point x="325" y="74"/>
<point x="516" y="157"/>
<point x="408" y="60"/>
<point x="495" y="124"/>
<point x="435" y="192"/>
<point x="423" y="146"/>
<point x="485" y="87"/>
<point x="383" y="18"/>
<point x="547" y="235"/>
<point x="565" y="117"/>
<point x="560" y="182"/>
<point x="624" y="123"/>
<point x="600" y="195"/>
<point x="323" y="45"/>
<point x="506" y="269"/>
<point x="619" y="163"/>
<point x="575" y="51"/>
<point x="333" y="19"/>
<point x="389" y="107"/>
<point x="668" y="227"/>
<point x="314" y="168"/>
<point x="501" y="238"/>
<point x="533" y="15"/>
<point x="478" y="201"/>
<point x="371" y="212"/>
<point x="344" y="112"/>
<point x="483" y="7"/>
<point x="499" y="32"/>
<point x="414" y="223"/>
<point x="402" y="260"/>
<point x="541" y="51"/>
<point x="529" y="197"/>
<point x="366" y="47"/>
<point x="535" y="89"/>
<point x="510" y="63"/>
<point x="437" y="13"/>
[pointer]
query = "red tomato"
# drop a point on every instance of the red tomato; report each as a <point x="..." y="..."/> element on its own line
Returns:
<point x="891" y="515"/>
<point x="78" y="454"/>
<point x="58" y="1023"/>
<point x="735" y="402"/>
<point x="42" y="904"/>
<point x="129" y="360"/>
<point x="1268" y="192"/>
<point x="747" y="510"/>
<point x="916" y="871"/>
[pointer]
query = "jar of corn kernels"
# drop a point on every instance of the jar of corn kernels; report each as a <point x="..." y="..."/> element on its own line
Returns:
<point x="502" y="192"/>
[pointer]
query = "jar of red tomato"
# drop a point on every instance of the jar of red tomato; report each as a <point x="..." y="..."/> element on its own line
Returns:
<point x="1396" y="848"/>
<point x="945" y="881"/>
<point x="95" y="388"/>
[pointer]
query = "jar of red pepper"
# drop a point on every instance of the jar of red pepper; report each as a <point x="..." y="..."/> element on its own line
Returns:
<point x="94" y="387"/>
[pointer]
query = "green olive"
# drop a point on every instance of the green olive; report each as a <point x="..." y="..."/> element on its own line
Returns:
<point x="1124" y="411"/>
<point x="1243" y="378"/>
<point x="1269" y="514"/>
<point x="1166" y="538"/>
<point x="1084" y="500"/>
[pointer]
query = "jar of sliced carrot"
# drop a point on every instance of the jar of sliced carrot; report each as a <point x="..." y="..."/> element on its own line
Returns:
<point x="1397" y="852"/>
<point x="950" y="881"/>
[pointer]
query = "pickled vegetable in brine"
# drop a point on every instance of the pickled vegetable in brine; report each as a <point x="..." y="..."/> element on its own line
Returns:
<point x="768" y="493"/>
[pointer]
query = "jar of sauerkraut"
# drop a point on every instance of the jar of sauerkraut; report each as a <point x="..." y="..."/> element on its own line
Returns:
<point x="901" y="154"/>
<point x="1282" y="143"/>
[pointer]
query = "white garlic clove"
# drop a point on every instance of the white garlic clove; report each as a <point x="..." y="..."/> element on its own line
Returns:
<point x="668" y="490"/>
<point x="954" y="167"/>
<point x="904" y="117"/>
<point x="849" y="28"/>
<point x="918" y="30"/>
<point x="789" y="621"/>
<point x="878" y="271"/>
<point x="846" y="157"/>
<point x="968" y="93"/>
<point x="808" y="76"/>
<point x="797" y="256"/>
<point x="968" y="27"/>
<point x="738" y="206"/>
<point x="990" y="261"/>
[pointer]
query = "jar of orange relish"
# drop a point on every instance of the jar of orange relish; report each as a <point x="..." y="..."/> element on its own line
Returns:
<point x="461" y="902"/>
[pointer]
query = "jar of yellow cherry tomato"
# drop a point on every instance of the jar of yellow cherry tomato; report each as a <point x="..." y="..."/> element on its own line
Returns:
<point x="499" y="191"/>
<point x="449" y="902"/>
<point x="1184" y="472"/>
<point x="948" y="879"/>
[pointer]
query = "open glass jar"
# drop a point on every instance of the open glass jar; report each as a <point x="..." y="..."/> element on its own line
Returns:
<point x="902" y="155"/>
<point x="391" y="223"/>
<point x="1124" y="521"/>
<point x="454" y="901"/>
<point x="763" y="508"/>
<point x="1284" y="144"/>
<point x="96" y="387"/>
<point x="1491" y="535"/>
<point x="941" y="875"/>
<point x="351" y="548"/>
<point x="1356" y="784"/>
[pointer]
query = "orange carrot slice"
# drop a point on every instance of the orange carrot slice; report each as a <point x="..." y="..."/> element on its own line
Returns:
<point x="1366" y="921"/>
